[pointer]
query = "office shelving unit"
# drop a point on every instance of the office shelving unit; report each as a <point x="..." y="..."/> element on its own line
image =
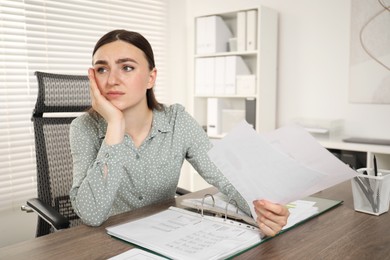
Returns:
<point x="261" y="61"/>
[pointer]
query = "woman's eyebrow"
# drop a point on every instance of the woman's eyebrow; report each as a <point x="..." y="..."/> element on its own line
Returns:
<point x="126" y="60"/>
<point x="102" y="62"/>
<point x="123" y="60"/>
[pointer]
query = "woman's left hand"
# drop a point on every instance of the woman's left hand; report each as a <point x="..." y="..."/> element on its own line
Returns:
<point x="271" y="217"/>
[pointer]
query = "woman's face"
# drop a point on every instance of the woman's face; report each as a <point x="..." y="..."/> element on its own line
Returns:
<point x="122" y="74"/>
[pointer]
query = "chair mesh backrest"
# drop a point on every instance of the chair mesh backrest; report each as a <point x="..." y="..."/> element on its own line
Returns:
<point x="56" y="93"/>
<point x="62" y="93"/>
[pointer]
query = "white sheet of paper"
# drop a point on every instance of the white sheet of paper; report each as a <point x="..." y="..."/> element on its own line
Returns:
<point x="137" y="254"/>
<point x="282" y="166"/>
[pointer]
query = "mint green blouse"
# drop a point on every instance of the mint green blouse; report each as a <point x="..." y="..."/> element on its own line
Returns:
<point x="137" y="176"/>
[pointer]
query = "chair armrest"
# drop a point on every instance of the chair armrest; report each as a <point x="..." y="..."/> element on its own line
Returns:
<point x="49" y="214"/>
<point x="181" y="191"/>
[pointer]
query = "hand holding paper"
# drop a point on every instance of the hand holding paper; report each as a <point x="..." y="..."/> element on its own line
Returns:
<point x="282" y="166"/>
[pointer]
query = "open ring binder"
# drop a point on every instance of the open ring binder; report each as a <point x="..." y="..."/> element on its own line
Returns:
<point x="204" y="197"/>
<point x="226" y="213"/>
<point x="178" y="233"/>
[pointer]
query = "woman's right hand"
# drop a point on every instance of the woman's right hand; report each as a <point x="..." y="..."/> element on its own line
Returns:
<point x="112" y="115"/>
<point x="99" y="103"/>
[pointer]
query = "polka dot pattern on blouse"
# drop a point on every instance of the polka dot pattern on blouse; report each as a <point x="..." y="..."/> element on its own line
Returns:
<point x="108" y="180"/>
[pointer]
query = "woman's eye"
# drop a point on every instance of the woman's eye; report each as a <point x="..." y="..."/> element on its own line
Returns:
<point x="101" y="70"/>
<point x="128" y="68"/>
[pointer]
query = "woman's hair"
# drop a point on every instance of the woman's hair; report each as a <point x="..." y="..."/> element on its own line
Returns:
<point x="141" y="43"/>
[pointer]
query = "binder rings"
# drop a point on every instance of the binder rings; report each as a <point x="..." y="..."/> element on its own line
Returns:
<point x="186" y="235"/>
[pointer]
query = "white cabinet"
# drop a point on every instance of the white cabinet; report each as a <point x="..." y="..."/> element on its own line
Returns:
<point x="360" y="154"/>
<point x="235" y="67"/>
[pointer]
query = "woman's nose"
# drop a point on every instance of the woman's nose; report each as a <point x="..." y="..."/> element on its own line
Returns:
<point x="113" y="78"/>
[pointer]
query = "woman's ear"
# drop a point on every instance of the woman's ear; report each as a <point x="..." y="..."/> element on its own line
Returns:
<point x="152" y="78"/>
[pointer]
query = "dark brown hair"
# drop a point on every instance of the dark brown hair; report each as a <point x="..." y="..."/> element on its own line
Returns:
<point x="141" y="43"/>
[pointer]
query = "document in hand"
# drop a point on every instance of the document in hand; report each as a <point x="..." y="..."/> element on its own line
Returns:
<point x="281" y="166"/>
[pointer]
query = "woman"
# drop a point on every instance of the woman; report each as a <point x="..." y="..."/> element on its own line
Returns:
<point x="129" y="149"/>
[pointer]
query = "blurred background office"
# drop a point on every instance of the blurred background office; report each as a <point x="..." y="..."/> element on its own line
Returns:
<point x="316" y="66"/>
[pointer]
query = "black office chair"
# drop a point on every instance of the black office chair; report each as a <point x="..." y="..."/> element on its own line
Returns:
<point x="56" y="94"/>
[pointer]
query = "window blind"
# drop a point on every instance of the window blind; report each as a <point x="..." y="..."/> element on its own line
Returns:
<point x="57" y="36"/>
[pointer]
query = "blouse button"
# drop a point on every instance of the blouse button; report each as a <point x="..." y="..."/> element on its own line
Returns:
<point x="140" y="198"/>
<point x="137" y="156"/>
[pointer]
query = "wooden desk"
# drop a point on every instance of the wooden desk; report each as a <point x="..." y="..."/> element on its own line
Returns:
<point x="340" y="233"/>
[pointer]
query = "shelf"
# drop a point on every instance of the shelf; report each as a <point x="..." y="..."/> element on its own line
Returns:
<point x="381" y="152"/>
<point x="338" y="144"/>
<point x="230" y="53"/>
<point x="225" y="96"/>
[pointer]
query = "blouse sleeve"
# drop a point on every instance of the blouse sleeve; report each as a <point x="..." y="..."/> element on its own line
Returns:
<point x="198" y="144"/>
<point x="97" y="173"/>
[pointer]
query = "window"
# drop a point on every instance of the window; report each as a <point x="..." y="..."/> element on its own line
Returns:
<point x="56" y="36"/>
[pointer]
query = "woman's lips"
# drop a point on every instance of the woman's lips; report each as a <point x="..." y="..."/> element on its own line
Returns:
<point x="114" y="94"/>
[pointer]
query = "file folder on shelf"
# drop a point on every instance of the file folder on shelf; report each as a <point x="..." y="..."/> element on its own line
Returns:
<point x="214" y="116"/>
<point x="201" y="34"/>
<point x="234" y="65"/>
<point x="246" y="85"/>
<point x="241" y="31"/>
<point x="212" y="35"/>
<point x="219" y="76"/>
<point x="251" y="30"/>
<point x="204" y="76"/>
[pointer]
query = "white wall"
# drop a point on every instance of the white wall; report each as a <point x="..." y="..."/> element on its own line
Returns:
<point x="313" y="61"/>
<point x="177" y="71"/>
